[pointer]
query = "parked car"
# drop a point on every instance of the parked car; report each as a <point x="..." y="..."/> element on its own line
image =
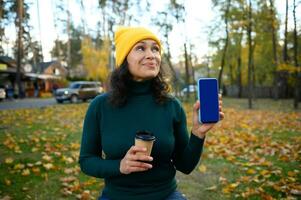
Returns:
<point x="192" y="90"/>
<point x="2" y="94"/>
<point x="79" y="90"/>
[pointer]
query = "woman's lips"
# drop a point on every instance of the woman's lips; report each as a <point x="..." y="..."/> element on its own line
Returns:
<point x="150" y="65"/>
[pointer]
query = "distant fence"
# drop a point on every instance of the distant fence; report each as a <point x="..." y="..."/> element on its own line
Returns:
<point x="259" y="91"/>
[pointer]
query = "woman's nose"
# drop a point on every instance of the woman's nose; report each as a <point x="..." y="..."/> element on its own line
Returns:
<point x="149" y="54"/>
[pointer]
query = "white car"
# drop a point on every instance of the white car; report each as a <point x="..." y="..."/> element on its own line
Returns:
<point x="192" y="90"/>
<point x="2" y="94"/>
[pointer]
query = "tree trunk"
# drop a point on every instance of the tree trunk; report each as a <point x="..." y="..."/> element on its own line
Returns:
<point x="69" y="41"/>
<point x="187" y="80"/>
<point x="40" y="32"/>
<point x="225" y="47"/>
<point x="250" y="59"/>
<point x="239" y="82"/>
<point x="231" y="74"/>
<point x="175" y="77"/>
<point x="297" y="74"/>
<point x="20" y="48"/>
<point x="83" y="16"/>
<point x="274" y="42"/>
<point x="192" y="71"/>
<point x="285" y="55"/>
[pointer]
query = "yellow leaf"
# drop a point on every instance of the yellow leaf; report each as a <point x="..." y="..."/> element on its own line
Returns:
<point x="266" y="163"/>
<point x="75" y="146"/>
<point x="245" y="179"/>
<point x="7" y="182"/>
<point x="212" y="188"/>
<point x="291" y="179"/>
<point x="290" y="173"/>
<point x="251" y="171"/>
<point x="47" y="158"/>
<point x="25" y="172"/>
<point x="36" y="170"/>
<point x="230" y="158"/>
<point x="9" y="160"/>
<point x="233" y="185"/>
<point x="202" y="168"/>
<point x="38" y="163"/>
<point x="68" y="170"/>
<point x="227" y="190"/>
<point x="48" y="166"/>
<point x="264" y="172"/>
<point x="19" y="166"/>
<point x="34" y="149"/>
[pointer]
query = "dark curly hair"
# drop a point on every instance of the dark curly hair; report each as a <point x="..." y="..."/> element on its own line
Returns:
<point x="118" y="88"/>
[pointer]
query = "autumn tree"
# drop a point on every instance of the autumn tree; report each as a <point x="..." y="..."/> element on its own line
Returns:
<point x="96" y="60"/>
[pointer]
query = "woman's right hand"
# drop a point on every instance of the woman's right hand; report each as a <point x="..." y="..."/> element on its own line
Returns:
<point x="133" y="162"/>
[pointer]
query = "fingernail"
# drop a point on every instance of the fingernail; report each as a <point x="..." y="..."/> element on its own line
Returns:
<point x="150" y="158"/>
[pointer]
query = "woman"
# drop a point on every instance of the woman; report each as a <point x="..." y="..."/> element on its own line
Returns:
<point x="138" y="100"/>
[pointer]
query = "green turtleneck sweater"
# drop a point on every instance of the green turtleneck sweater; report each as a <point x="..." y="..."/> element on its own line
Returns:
<point x="109" y="132"/>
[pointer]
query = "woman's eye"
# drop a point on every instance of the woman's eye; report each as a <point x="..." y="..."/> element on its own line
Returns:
<point x="156" y="49"/>
<point x="140" y="48"/>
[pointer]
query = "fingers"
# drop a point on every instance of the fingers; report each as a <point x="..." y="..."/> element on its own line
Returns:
<point x="135" y="149"/>
<point x="140" y="157"/>
<point x="132" y="161"/>
<point x="137" y="164"/>
<point x="221" y="115"/>
<point x="220" y="103"/>
<point x="196" y="105"/>
<point x="195" y="115"/>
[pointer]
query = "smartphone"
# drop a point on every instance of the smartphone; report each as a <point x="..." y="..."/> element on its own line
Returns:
<point x="208" y="96"/>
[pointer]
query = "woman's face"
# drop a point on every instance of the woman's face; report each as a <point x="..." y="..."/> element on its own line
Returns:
<point x="144" y="60"/>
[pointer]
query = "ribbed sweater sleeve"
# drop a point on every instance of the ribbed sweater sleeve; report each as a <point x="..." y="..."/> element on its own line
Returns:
<point x="90" y="159"/>
<point x="188" y="150"/>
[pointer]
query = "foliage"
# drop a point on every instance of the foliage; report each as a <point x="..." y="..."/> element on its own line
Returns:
<point x="262" y="21"/>
<point x="288" y="68"/>
<point x="96" y="61"/>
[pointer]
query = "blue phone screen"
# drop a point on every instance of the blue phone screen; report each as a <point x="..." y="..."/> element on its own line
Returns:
<point x="208" y="96"/>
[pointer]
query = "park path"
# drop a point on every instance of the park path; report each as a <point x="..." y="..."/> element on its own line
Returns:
<point x="26" y="103"/>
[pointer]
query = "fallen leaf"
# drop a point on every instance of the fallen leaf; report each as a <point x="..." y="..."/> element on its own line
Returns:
<point x="212" y="188"/>
<point x="202" y="168"/>
<point x="9" y="160"/>
<point x="19" y="166"/>
<point x="251" y="171"/>
<point x="7" y="182"/>
<point x="48" y="166"/>
<point x="296" y="192"/>
<point x="25" y="172"/>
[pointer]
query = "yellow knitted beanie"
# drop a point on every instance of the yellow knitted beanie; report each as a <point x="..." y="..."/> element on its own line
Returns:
<point x="127" y="37"/>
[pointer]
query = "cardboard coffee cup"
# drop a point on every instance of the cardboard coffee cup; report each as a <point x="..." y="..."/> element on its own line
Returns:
<point x="144" y="139"/>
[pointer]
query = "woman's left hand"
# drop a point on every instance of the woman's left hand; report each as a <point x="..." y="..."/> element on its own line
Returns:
<point x="199" y="129"/>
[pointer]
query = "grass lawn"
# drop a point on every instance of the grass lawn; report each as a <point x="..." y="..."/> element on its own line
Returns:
<point x="251" y="154"/>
